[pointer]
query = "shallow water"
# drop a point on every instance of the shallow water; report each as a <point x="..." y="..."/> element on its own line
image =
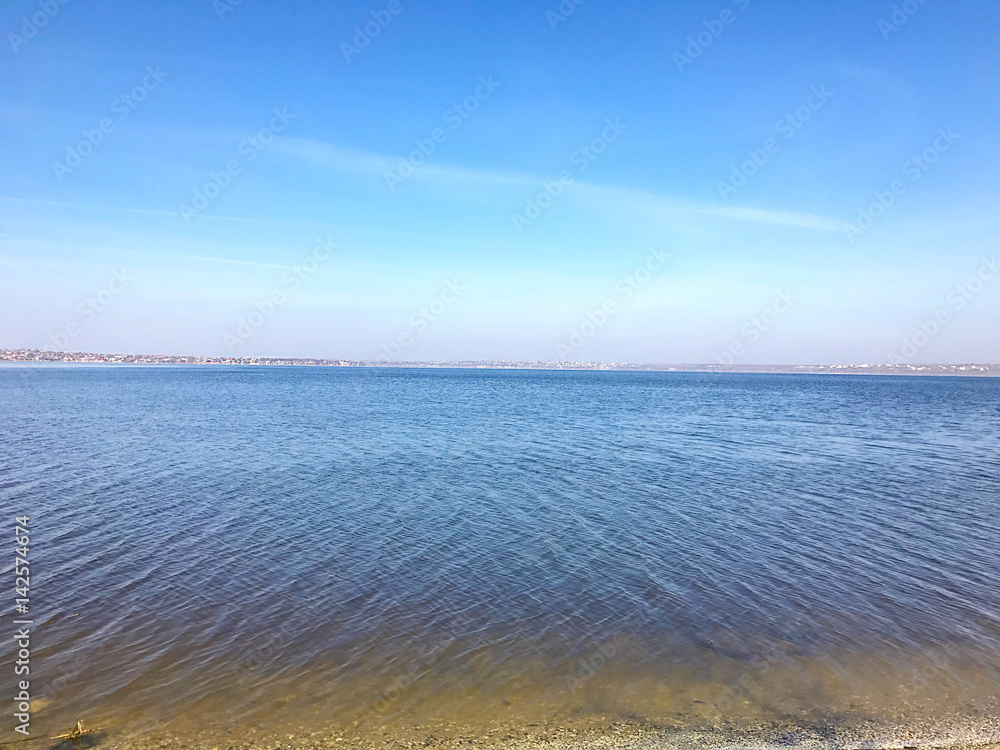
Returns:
<point x="367" y="548"/>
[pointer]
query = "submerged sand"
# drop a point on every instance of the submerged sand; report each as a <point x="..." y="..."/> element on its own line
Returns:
<point x="584" y="733"/>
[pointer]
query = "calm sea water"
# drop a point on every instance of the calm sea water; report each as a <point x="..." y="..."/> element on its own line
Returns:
<point x="363" y="547"/>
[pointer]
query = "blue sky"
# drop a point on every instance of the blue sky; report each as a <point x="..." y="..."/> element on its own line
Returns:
<point x="834" y="100"/>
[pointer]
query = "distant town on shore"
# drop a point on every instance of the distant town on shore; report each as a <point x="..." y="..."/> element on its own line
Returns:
<point x="51" y="357"/>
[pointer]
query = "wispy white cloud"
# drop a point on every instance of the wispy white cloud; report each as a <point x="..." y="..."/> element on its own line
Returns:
<point x="155" y="212"/>
<point x="323" y="155"/>
<point x="87" y="251"/>
<point x="211" y="259"/>
<point x="319" y="154"/>
<point x="345" y="228"/>
<point x="626" y="199"/>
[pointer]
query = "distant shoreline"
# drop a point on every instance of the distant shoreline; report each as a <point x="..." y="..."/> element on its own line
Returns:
<point x="50" y="357"/>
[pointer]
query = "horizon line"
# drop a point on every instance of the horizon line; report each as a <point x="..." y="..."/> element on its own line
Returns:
<point x="80" y="357"/>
